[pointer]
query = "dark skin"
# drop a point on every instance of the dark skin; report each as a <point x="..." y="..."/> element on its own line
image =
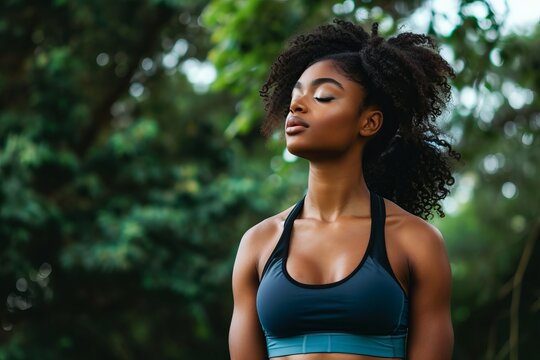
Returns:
<point x="330" y="235"/>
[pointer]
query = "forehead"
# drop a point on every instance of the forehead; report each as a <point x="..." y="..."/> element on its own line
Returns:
<point x="320" y="72"/>
<point x="326" y="69"/>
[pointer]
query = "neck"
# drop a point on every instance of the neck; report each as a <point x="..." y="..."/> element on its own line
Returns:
<point x="337" y="188"/>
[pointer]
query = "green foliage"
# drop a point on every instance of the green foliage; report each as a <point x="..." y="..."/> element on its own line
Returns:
<point x="119" y="207"/>
<point x="243" y="57"/>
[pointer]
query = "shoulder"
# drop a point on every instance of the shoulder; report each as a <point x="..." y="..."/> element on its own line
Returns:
<point x="421" y="242"/>
<point x="258" y="242"/>
<point x="257" y="236"/>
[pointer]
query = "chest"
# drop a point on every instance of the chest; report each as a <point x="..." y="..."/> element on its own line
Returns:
<point x="327" y="253"/>
<point x="367" y="301"/>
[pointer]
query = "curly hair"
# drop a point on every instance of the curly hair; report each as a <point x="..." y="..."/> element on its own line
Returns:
<point x="407" y="161"/>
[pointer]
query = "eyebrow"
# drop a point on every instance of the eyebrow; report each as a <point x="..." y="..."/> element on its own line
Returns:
<point x="320" y="81"/>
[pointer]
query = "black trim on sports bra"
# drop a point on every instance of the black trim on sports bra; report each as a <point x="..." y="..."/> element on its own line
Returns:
<point x="373" y="233"/>
<point x="376" y="243"/>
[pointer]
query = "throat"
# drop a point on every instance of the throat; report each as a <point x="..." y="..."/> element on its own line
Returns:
<point x="333" y="192"/>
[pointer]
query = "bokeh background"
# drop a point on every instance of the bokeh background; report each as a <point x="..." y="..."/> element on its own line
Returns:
<point x="131" y="164"/>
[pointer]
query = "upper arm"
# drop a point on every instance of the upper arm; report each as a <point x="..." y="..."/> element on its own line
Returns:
<point x="430" y="330"/>
<point x="246" y="340"/>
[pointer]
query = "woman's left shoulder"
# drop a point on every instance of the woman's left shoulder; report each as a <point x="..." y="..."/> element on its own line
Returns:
<point x="416" y="237"/>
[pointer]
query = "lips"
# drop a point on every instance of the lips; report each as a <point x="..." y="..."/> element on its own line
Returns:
<point x="295" y="125"/>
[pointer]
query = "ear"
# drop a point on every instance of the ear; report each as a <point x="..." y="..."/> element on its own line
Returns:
<point x="371" y="122"/>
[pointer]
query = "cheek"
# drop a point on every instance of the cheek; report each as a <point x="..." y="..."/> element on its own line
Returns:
<point x="339" y="122"/>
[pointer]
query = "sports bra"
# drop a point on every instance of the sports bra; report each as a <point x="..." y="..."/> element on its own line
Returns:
<point x="365" y="313"/>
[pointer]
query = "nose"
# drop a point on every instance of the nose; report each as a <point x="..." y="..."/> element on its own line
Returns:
<point x="297" y="106"/>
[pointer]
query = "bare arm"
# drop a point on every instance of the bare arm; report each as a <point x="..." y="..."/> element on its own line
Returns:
<point x="430" y="333"/>
<point x="246" y="340"/>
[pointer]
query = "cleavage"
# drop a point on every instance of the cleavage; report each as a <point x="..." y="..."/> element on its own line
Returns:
<point x="325" y="253"/>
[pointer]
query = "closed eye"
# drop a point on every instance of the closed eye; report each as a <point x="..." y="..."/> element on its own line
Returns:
<point x="324" y="99"/>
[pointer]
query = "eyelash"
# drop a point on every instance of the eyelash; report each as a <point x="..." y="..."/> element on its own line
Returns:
<point x="324" y="99"/>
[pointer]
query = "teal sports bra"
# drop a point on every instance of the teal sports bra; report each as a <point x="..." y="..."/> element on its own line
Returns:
<point x="366" y="313"/>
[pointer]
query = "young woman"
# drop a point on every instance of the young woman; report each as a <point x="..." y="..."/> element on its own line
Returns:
<point x="352" y="271"/>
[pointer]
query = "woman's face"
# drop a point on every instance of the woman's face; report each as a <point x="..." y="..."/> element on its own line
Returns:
<point x="325" y="114"/>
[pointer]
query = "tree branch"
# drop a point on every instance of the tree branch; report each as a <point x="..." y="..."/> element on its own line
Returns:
<point x="516" y="291"/>
<point x="101" y="115"/>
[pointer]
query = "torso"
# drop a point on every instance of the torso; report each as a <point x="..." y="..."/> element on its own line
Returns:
<point x="343" y="254"/>
<point x="309" y="243"/>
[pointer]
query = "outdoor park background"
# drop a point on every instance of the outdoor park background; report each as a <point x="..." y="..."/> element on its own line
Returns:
<point x="131" y="164"/>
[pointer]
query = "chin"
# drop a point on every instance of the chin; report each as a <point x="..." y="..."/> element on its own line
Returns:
<point x="313" y="152"/>
<point x="299" y="148"/>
